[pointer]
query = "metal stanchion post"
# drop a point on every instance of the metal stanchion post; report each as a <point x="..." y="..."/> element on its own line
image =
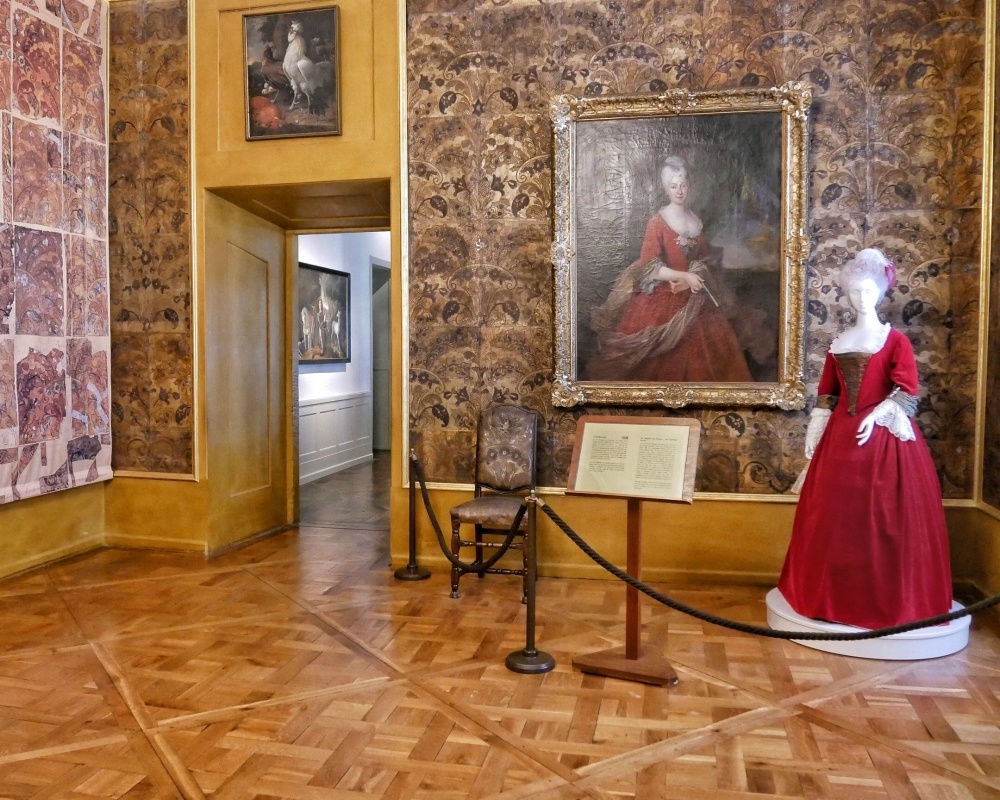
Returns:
<point x="530" y="660"/>
<point x="412" y="572"/>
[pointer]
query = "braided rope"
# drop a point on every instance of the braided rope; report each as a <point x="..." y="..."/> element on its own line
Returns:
<point x="463" y="567"/>
<point x="757" y="630"/>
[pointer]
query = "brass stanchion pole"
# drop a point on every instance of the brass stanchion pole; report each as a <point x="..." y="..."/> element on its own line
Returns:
<point x="530" y="660"/>
<point x="412" y="572"/>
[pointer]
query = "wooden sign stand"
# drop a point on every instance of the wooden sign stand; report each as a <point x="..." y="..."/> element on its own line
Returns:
<point x="632" y="662"/>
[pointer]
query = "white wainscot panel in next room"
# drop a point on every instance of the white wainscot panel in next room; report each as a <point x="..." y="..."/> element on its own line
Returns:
<point x="334" y="434"/>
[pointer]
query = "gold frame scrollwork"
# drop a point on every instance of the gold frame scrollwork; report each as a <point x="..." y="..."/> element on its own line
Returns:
<point x="792" y="101"/>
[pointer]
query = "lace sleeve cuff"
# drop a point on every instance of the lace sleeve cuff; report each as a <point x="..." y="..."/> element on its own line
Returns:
<point x="907" y="402"/>
<point x="827" y="401"/>
<point x="891" y="414"/>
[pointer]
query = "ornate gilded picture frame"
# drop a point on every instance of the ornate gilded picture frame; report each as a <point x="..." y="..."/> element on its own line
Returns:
<point x="680" y="248"/>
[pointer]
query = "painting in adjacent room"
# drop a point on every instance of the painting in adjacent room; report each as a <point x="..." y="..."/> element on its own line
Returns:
<point x="323" y="315"/>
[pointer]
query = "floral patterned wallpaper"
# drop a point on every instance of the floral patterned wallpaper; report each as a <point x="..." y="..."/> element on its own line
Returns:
<point x="895" y="157"/>
<point x="55" y="425"/>
<point x="991" y="450"/>
<point x="152" y="361"/>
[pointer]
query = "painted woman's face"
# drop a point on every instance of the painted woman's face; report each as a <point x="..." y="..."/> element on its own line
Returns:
<point x="864" y="296"/>
<point x="677" y="189"/>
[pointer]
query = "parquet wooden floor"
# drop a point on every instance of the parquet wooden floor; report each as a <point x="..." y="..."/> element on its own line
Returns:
<point x="297" y="667"/>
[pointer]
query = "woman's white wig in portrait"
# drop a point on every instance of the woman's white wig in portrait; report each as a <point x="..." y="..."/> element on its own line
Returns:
<point x="672" y="167"/>
<point x="869" y="263"/>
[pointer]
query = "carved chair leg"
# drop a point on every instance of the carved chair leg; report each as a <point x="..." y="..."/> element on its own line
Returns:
<point x="455" y="547"/>
<point x="479" y="550"/>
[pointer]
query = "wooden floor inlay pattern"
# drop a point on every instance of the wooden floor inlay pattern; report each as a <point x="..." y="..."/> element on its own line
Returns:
<point x="297" y="667"/>
<point x="792" y="757"/>
<point x="380" y="742"/>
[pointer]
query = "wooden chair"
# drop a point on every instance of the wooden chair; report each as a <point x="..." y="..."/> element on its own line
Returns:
<point x="505" y="471"/>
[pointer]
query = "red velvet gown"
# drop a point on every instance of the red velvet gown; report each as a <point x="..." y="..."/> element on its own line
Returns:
<point x="709" y="350"/>
<point x="869" y="544"/>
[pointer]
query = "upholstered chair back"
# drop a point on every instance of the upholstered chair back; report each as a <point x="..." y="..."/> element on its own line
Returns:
<point x="505" y="448"/>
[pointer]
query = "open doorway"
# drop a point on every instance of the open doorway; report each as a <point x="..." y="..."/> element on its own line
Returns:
<point x="343" y="403"/>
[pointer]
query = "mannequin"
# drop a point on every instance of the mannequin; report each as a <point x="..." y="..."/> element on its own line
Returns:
<point x="869" y="544"/>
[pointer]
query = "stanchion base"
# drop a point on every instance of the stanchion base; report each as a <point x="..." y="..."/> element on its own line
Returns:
<point x="412" y="573"/>
<point x="530" y="662"/>
<point x="649" y="667"/>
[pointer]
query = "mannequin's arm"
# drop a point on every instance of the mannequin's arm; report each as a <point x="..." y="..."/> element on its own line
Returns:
<point x="818" y="419"/>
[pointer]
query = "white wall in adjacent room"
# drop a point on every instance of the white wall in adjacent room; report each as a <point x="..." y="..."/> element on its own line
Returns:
<point x="351" y="253"/>
<point x="335" y="400"/>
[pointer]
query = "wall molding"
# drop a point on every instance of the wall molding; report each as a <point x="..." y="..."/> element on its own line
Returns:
<point x="155" y="476"/>
<point x="140" y="542"/>
<point x="985" y="250"/>
<point x="315" y="401"/>
<point x="989" y="510"/>
<point x="554" y="491"/>
<point x="334" y="434"/>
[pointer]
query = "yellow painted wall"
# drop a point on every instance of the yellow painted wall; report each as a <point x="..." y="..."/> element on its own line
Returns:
<point x="369" y="145"/>
<point x="717" y="541"/>
<point x="190" y="514"/>
<point x="44" y="529"/>
<point x="710" y="541"/>
<point x="976" y="549"/>
<point x="146" y="512"/>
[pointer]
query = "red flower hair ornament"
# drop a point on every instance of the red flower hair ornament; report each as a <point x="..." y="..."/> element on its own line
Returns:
<point x="890" y="274"/>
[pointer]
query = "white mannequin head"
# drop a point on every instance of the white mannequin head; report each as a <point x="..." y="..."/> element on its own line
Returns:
<point x="865" y="295"/>
<point x="868" y="270"/>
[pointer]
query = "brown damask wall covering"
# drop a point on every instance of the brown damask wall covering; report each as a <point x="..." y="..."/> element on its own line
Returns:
<point x="149" y="196"/>
<point x="55" y="426"/>
<point x="991" y="450"/>
<point x="895" y="160"/>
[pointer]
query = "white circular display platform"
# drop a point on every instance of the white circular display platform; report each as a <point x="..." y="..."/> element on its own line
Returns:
<point x="934" y="642"/>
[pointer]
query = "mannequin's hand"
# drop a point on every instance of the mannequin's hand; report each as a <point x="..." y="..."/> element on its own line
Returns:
<point x="865" y="429"/>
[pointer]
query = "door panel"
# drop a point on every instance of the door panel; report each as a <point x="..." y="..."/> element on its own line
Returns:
<point x="246" y="366"/>
<point x="381" y="362"/>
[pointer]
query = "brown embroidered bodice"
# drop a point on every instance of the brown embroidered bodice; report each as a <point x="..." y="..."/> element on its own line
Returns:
<point x="852" y="367"/>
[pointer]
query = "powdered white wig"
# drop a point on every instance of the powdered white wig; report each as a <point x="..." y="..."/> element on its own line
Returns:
<point x="673" y="167"/>
<point x="869" y="263"/>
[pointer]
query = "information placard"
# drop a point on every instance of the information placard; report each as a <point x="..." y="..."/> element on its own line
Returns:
<point x="646" y="457"/>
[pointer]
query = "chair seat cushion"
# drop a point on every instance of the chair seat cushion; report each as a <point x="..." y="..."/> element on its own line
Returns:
<point x="491" y="511"/>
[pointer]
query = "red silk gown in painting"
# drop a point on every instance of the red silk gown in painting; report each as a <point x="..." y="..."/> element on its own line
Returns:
<point x="707" y="351"/>
<point x="869" y="545"/>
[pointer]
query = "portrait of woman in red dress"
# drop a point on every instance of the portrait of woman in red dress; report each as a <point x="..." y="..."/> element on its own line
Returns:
<point x="661" y="322"/>
<point x="869" y="544"/>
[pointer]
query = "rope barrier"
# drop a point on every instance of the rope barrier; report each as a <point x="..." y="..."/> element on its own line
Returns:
<point x="743" y="627"/>
<point x="622" y="575"/>
<point x="463" y="567"/>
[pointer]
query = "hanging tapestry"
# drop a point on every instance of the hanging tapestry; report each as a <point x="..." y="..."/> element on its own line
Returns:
<point x="55" y="414"/>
